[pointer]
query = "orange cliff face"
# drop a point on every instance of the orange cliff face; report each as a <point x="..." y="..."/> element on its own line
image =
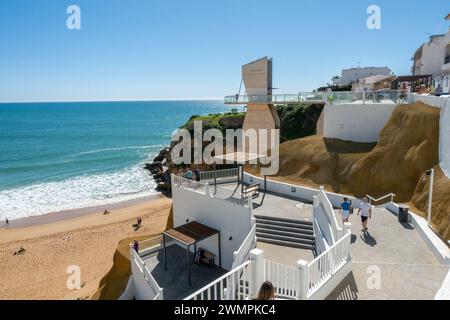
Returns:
<point x="440" y="217"/>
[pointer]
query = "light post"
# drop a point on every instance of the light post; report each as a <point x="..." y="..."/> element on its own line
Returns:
<point x="430" y="173"/>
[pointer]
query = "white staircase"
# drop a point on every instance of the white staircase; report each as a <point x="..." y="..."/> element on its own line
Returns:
<point x="285" y="232"/>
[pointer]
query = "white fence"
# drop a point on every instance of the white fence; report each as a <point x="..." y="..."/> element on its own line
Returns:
<point x="153" y="291"/>
<point x="228" y="194"/>
<point x="329" y="211"/>
<point x="235" y="285"/>
<point x="284" y="279"/>
<point x="243" y="253"/>
<point x="189" y="184"/>
<point x="322" y="268"/>
<point x="226" y="175"/>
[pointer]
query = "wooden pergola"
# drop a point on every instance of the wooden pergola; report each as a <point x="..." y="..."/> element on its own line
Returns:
<point x="190" y="234"/>
<point x="240" y="158"/>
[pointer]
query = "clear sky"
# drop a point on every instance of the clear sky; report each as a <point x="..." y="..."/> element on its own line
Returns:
<point x="187" y="49"/>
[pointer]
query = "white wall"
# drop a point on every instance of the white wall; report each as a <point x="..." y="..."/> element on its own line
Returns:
<point x="356" y="122"/>
<point x="141" y="289"/>
<point x="444" y="127"/>
<point x="299" y="192"/>
<point x="432" y="57"/>
<point x="230" y="219"/>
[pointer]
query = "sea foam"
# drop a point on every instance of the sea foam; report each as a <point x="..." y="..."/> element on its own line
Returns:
<point x="75" y="193"/>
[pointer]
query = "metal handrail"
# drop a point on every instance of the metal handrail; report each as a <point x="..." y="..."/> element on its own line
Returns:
<point x="372" y="199"/>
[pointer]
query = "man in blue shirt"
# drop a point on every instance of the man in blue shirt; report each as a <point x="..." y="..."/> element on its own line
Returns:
<point x="345" y="210"/>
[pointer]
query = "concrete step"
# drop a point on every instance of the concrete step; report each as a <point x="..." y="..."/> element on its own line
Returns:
<point x="295" y="229"/>
<point x="297" y="234"/>
<point x="286" y="243"/>
<point x="284" y="238"/>
<point x="286" y="220"/>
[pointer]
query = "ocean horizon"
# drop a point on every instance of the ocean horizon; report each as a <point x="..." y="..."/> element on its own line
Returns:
<point x="58" y="156"/>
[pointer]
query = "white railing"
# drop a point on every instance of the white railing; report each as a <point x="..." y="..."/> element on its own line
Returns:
<point x="151" y="244"/>
<point x="335" y="97"/>
<point x="322" y="268"/>
<point x="373" y="200"/>
<point x="284" y="278"/>
<point x="158" y="292"/>
<point x="242" y="254"/>
<point x="220" y="174"/>
<point x="234" y="285"/>
<point x="231" y="195"/>
<point x="188" y="184"/>
<point x="227" y="194"/>
<point x="328" y="208"/>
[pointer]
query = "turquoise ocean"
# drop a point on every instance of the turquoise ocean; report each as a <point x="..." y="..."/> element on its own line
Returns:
<point x="62" y="156"/>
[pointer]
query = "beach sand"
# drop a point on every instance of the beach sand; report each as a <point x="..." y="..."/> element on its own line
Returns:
<point x="54" y="242"/>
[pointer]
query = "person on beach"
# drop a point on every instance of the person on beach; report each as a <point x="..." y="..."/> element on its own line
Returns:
<point x="6" y="223"/>
<point x="106" y="212"/>
<point x="197" y="174"/>
<point x="366" y="213"/>
<point x="20" y="252"/>
<point x="266" y="292"/>
<point x="138" y="223"/>
<point x="345" y="210"/>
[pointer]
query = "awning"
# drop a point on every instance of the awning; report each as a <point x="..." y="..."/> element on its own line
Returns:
<point x="240" y="157"/>
<point x="190" y="234"/>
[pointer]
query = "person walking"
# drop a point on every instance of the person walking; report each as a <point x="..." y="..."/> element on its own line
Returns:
<point x="345" y="210"/>
<point x="188" y="175"/>
<point x="438" y="91"/>
<point x="6" y="223"/>
<point x="366" y="213"/>
<point x="197" y="174"/>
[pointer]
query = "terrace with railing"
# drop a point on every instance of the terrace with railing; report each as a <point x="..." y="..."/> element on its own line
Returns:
<point x="335" y="98"/>
<point x="226" y="193"/>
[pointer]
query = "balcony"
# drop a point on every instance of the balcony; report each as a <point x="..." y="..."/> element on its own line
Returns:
<point x="335" y="98"/>
<point x="309" y="97"/>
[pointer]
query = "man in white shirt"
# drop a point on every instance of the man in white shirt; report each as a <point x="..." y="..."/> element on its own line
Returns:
<point x="366" y="213"/>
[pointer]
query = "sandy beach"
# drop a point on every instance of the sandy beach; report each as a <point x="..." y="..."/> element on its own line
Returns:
<point x="83" y="238"/>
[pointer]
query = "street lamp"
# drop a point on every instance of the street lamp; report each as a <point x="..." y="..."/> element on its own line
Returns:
<point x="430" y="173"/>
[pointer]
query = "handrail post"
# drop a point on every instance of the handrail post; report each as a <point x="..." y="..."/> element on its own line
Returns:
<point x="256" y="271"/>
<point x="302" y="280"/>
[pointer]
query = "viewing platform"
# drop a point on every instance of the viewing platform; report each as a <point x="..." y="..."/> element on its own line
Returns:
<point x="335" y="98"/>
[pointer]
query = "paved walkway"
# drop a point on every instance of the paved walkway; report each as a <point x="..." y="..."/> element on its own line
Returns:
<point x="275" y="205"/>
<point x="406" y="267"/>
<point x="282" y="207"/>
<point x="174" y="281"/>
<point x="285" y="255"/>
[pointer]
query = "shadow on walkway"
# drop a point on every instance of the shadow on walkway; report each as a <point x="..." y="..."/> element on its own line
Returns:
<point x="368" y="239"/>
<point x="346" y="290"/>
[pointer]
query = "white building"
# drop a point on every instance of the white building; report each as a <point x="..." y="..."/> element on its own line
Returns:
<point x="351" y="76"/>
<point x="429" y="56"/>
<point x="433" y="58"/>
<point x="444" y="81"/>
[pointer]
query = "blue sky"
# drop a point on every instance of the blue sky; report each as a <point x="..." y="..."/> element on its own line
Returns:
<point x="187" y="49"/>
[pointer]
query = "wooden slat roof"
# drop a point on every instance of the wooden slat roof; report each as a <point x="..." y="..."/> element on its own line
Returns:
<point x="239" y="157"/>
<point x="191" y="232"/>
